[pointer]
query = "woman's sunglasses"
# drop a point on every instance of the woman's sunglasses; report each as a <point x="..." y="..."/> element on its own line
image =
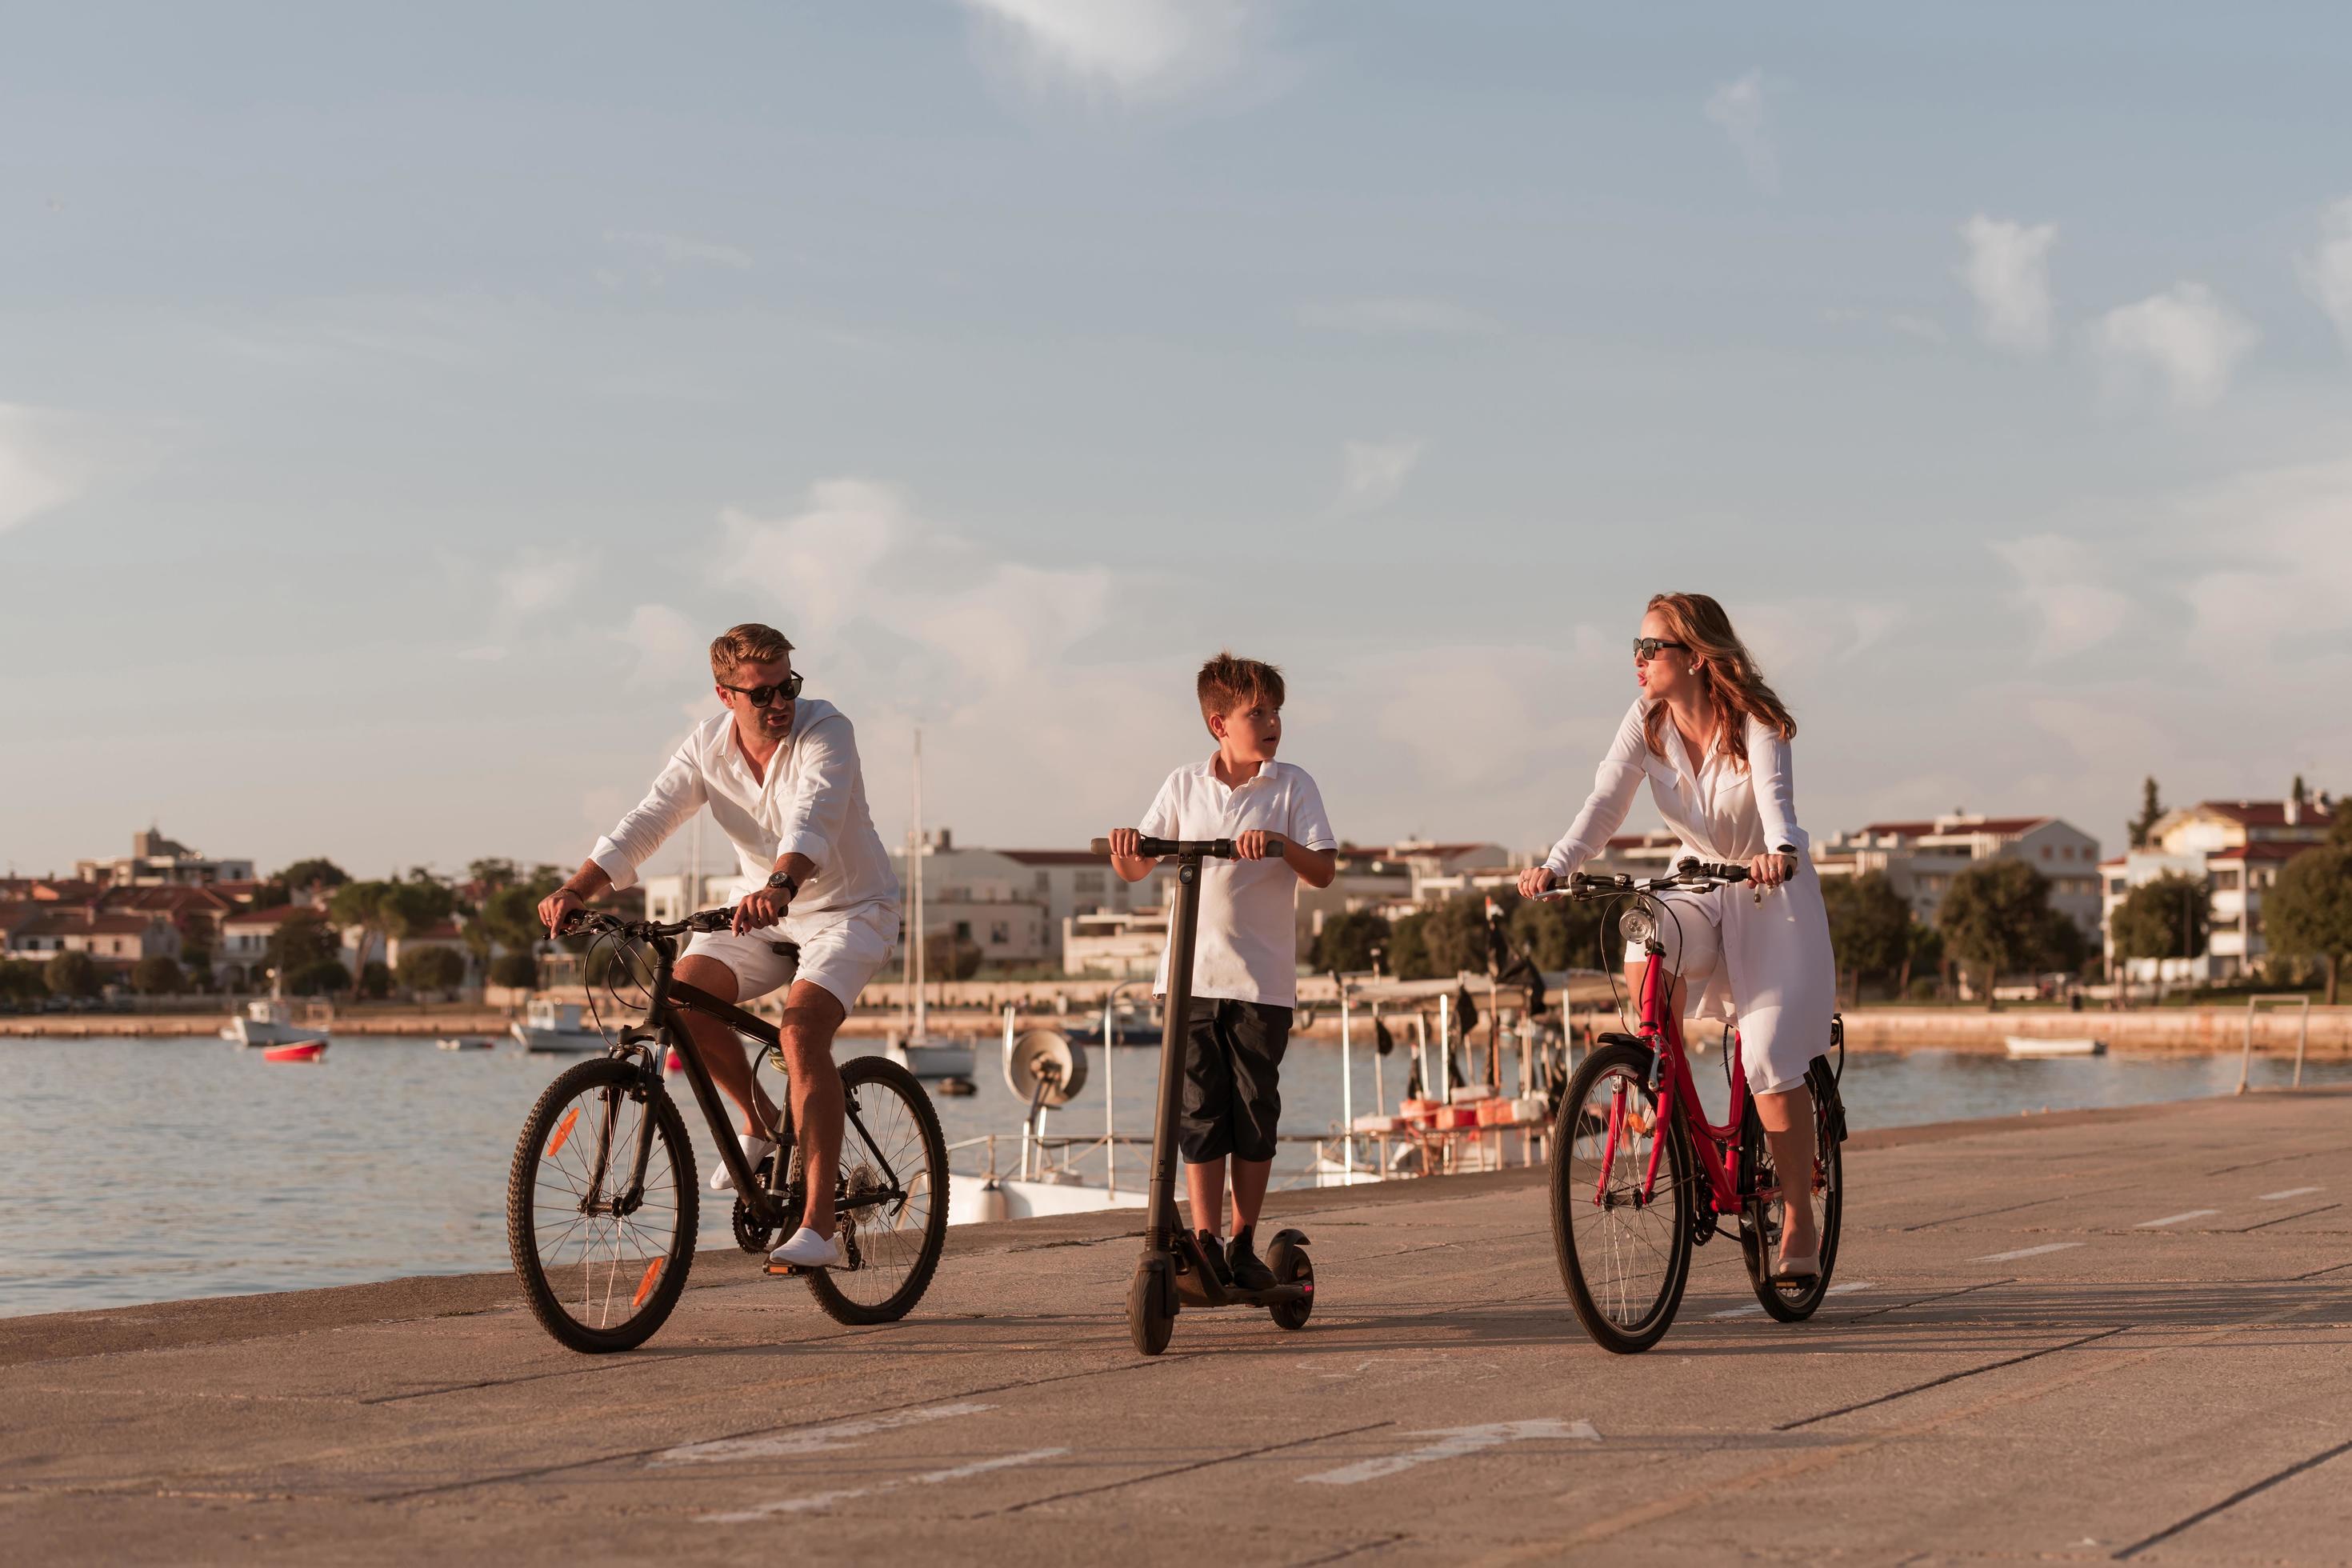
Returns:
<point x="761" y="696"/>
<point x="1648" y="648"/>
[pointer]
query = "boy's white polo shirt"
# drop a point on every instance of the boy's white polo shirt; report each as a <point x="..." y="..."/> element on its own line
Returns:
<point x="1247" y="947"/>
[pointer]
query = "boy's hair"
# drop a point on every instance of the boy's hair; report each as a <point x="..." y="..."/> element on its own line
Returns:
<point x="749" y="643"/>
<point x="1227" y="683"/>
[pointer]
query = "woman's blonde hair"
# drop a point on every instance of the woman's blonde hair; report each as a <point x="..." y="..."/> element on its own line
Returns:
<point x="1726" y="669"/>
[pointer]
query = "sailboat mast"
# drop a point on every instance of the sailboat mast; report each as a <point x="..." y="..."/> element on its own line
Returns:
<point x="915" y="874"/>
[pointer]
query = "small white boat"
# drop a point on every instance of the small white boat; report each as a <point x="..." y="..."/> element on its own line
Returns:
<point x="556" y="1028"/>
<point x="931" y="1056"/>
<point x="2056" y="1045"/>
<point x="268" y="1021"/>
<point x="974" y="1200"/>
<point x="462" y="1043"/>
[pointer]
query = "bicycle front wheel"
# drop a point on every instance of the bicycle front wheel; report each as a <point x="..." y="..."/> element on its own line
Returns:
<point x="601" y="1243"/>
<point x="1623" y="1238"/>
<point x="891" y="1197"/>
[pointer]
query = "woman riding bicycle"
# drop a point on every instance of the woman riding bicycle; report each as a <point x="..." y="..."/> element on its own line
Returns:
<point x="1714" y="740"/>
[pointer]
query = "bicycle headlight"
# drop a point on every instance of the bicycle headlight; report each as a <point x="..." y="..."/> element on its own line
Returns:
<point x="1639" y="923"/>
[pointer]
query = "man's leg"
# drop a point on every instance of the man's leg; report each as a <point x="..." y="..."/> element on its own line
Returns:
<point x="719" y="1048"/>
<point x="812" y="1016"/>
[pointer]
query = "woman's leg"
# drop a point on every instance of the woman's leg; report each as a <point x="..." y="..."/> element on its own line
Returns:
<point x="1788" y="1118"/>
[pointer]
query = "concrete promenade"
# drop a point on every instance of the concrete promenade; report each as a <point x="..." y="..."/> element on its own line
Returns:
<point x="2080" y="1337"/>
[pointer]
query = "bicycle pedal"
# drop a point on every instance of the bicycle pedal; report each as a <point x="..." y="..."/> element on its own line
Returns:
<point x="785" y="1270"/>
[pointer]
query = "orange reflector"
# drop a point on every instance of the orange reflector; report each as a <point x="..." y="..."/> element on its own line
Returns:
<point x="645" y="1284"/>
<point x="562" y="1130"/>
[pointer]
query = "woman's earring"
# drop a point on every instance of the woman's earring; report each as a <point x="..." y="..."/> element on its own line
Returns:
<point x="1694" y="669"/>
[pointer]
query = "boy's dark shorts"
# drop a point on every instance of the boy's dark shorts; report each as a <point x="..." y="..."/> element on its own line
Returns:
<point x="1233" y="1066"/>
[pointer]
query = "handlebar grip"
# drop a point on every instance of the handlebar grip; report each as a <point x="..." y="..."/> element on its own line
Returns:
<point x="1099" y="847"/>
<point x="1212" y="848"/>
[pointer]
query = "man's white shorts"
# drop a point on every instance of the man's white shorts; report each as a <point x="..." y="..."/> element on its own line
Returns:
<point x="841" y="950"/>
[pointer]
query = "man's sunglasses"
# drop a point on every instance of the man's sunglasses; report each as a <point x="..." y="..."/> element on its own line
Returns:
<point x="761" y="696"/>
<point x="1648" y="648"/>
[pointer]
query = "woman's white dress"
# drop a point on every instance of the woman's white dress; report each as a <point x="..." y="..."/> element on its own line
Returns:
<point x="1777" y="978"/>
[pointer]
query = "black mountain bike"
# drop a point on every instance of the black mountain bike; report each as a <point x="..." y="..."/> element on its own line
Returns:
<point x="602" y="1201"/>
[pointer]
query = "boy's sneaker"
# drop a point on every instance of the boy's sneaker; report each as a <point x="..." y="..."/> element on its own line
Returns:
<point x="1243" y="1266"/>
<point x="1214" y="1251"/>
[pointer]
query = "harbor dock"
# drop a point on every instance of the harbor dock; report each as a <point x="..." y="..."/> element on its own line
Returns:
<point x="2121" y="1335"/>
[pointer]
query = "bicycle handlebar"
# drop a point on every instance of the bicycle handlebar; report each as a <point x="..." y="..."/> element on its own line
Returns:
<point x="595" y="920"/>
<point x="1208" y="848"/>
<point x="1694" y="873"/>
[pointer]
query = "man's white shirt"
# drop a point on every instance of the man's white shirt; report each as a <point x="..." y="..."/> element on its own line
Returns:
<point x="1247" y="949"/>
<point x="812" y="802"/>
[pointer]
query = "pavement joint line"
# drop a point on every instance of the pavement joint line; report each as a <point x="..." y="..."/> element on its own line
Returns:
<point x="2315" y="1273"/>
<point x="1176" y="1470"/>
<point x="1951" y="1377"/>
<point x="1982" y="1214"/>
<point x="2264" y="1224"/>
<point x="1347" y="1552"/>
<point x="1711" y="1494"/>
<point x="2233" y="1500"/>
<point x="2174" y="1218"/>
<point x="1923" y="1301"/>
<point x="2273" y="1160"/>
<point x="536" y="1471"/>
<point x="654" y="1358"/>
<point x="2011" y="1257"/>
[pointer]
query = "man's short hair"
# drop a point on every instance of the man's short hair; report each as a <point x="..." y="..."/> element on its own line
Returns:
<point x="1227" y="683"/>
<point x="749" y="643"/>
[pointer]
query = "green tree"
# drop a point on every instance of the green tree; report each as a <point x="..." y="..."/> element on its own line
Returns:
<point x="2308" y="911"/>
<point x="1870" y="924"/>
<point x="517" y="968"/>
<point x="381" y="908"/>
<point x="374" y="981"/>
<point x="2165" y="917"/>
<point x="300" y="939"/>
<point x="1408" y="955"/>
<point x="1923" y="954"/>
<point x="1347" y="943"/>
<point x="2150" y="809"/>
<point x="431" y="969"/>
<point x="156" y="975"/>
<point x="321" y="977"/>
<point x="315" y="875"/>
<point x="20" y="980"/>
<point x="1996" y="917"/>
<point x="73" y="974"/>
<point x="1453" y="937"/>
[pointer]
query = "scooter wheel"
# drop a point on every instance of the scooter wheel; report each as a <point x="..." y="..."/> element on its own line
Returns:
<point x="1291" y="1266"/>
<point x="1150" y="1321"/>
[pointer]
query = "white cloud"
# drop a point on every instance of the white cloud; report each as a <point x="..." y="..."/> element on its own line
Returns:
<point x="1138" y="49"/>
<point x="1792" y="639"/>
<point x="1739" y="108"/>
<point x="2188" y="337"/>
<point x="536" y="581"/>
<point x="2275" y="549"/>
<point x="2008" y="270"/>
<point x="1373" y="472"/>
<point x="1400" y="316"/>
<point x="678" y="250"/>
<point x="1910" y="323"/>
<point x="2061" y="581"/>
<point x="34" y="473"/>
<point x="2327" y="270"/>
<point x="670" y="648"/>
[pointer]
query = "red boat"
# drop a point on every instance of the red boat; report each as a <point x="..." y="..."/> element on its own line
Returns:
<point x="301" y="1051"/>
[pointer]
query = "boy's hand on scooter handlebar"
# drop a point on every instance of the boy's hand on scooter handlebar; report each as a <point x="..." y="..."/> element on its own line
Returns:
<point x="1251" y="845"/>
<point x="1537" y="881"/>
<point x="1127" y="843"/>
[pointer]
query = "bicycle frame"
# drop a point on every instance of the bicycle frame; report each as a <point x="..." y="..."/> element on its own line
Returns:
<point x="1716" y="1148"/>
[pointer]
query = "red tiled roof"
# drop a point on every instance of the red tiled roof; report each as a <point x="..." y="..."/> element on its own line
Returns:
<point x="270" y="917"/>
<point x="2266" y="813"/>
<point x="1053" y="856"/>
<point x="2262" y="849"/>
<point x="2003" y="825"/>
<point x="68" y="923"/>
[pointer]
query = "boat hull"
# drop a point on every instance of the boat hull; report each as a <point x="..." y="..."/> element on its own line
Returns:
<point x="557" y="1042"/>
<point x="305" y="1051"/>
<point x="972" y="1199"/>
<point x="248" y="1033"/>
<point x="2023" y="1046"/>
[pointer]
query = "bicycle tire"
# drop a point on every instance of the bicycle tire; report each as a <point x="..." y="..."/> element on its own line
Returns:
<point x="1758" y="1236"/>
<point x="1573" y="1188"/>
<point x="667" y="1273"/>
<point x="880" y="1074"/>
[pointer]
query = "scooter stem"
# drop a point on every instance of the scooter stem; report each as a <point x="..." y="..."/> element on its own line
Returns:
<point x="1175" y="1029"/>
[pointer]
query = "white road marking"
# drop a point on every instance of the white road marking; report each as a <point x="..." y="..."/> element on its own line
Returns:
<point x="2025" y="1252"/>
<point x="811" y="1439"/>
<point x="1454" y="1442"/>
<point x="2174" y="1218"/>
<point x="816" y="1500"/>
<point x="2290" y="1193"/>
<point x="1750" y="1310"/>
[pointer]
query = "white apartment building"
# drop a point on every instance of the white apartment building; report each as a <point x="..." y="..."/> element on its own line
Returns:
<point x="1921" y="858"/>
<point x="2237" y="847"/>
<point x="1122" y="943"/>
<point x="156" y="861"/>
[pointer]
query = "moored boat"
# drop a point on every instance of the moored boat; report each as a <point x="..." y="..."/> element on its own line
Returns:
<point x="2056" y="1045"/>
<point x="301" y="1051"/>
<point x="555" y="1029"/>
<point x="462" y="1043"/>
<point x="268" y="1021"/>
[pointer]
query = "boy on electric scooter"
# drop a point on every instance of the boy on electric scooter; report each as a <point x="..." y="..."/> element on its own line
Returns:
<point x="1245" y="958"/>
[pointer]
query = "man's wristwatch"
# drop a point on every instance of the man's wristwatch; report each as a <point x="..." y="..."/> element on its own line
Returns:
<point x="782" y="882"/>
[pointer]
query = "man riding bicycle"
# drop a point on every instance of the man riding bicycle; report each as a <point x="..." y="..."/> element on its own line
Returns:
<point x="817" y="904"/>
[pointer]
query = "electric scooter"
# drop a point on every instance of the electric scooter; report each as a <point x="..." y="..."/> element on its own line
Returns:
<point x="1173" y="1271"/>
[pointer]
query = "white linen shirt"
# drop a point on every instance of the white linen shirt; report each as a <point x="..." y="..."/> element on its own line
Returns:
<point x="1247" y="949"/>
<point x="1779" y="977"/>
<point x="812" y="802"/>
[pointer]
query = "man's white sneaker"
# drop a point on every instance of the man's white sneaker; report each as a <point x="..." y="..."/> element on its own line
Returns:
<point x="807" y="1249"/>
<point x="755" y="1149"/>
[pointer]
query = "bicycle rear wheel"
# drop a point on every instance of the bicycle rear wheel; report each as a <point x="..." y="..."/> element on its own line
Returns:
<point x="602" y="1256"/>
<point x="1623" y="1255"/>
<point x="1760" y="1230"/>
<point x="891" y="1196"/>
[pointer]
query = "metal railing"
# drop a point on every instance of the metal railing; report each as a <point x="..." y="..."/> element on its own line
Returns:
<point x="2301" y="1039"/>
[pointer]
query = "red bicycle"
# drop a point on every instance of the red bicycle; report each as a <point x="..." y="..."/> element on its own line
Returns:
<point x="1631" y="1142"/>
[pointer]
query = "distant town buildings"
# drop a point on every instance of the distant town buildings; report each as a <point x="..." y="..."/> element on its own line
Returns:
<point x="155" y="861"/>
<point x="1921" y="858"/>
<point x="2236" y="848"/>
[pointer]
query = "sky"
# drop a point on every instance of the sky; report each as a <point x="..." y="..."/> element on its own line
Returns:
<point x="394" y="403"/>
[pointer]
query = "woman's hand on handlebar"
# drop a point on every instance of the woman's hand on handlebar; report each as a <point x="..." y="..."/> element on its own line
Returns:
<point x="556" y="909"/>
<point x="1536" y="881"/>
<point x="1770" y="870"/>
